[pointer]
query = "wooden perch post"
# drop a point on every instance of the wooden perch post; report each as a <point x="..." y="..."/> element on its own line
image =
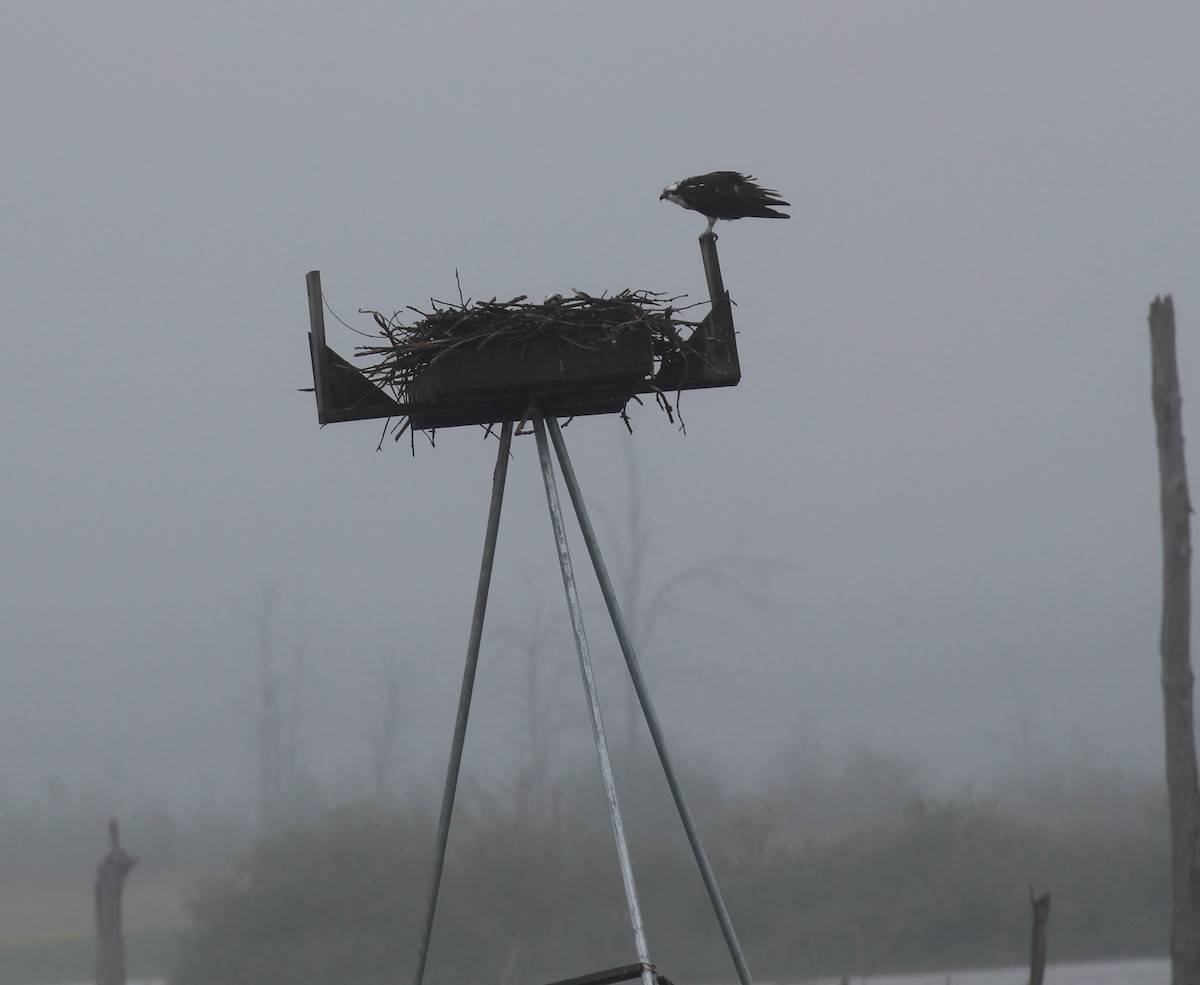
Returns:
<point x="110" y="884"/>
<point x="1183" y="790"/>
<point x="1037" y="950"/>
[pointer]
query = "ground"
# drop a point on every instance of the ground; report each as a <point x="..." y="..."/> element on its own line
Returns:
<point x="63" y="907"/>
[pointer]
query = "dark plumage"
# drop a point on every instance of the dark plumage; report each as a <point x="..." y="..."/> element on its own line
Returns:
<point x="725" y="195"/>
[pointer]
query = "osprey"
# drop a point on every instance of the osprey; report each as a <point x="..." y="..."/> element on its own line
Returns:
<point x="724" y="195"/>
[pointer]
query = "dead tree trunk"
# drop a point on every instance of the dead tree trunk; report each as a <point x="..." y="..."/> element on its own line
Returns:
<point x="1183" y="789"/>
<point x="1037" y="949"/>
<point x="110" y="884"/>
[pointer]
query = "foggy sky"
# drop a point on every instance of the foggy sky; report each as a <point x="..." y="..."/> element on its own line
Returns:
<point x="943" y="429"/>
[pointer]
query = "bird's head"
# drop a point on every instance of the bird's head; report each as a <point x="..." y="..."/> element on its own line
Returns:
<point x="670" y="193"/>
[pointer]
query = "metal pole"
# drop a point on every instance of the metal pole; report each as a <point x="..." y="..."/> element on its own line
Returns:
<point x="589" y="683"/>
<point x="639" y="684"/>
<point x="464" y="697"/>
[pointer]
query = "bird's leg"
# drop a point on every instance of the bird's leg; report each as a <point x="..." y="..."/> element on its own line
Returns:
<point x="711" y="222"/>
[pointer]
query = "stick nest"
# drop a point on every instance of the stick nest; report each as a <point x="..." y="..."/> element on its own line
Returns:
<point x="404" y="347"/>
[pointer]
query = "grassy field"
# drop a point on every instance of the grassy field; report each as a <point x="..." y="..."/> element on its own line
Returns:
<point x="68" y="957"/>
<point x="46" y="927"/>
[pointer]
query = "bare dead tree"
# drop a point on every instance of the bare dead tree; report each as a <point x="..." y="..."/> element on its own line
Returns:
<point x="1021" y="703"/>
<point x="1037" y="946"/>
<point x="384" y="732"/>
<point x="277" y="711"/>
<point x="544" y="713"/>
<point x="649" y="609"/>
<point x="110" y="887"/>
<point x="1183" y="788"/>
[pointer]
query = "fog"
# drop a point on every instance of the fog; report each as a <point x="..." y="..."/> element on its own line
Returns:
<point x="942" y="449"/>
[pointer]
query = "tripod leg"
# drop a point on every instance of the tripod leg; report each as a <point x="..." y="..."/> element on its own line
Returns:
<point x="585" y="666"/>
<point x="639" y="685"/>
<point x="464" y="697"/>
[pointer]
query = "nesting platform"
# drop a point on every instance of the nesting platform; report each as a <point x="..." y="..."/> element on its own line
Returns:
<point x="468" y="365"/>
<point x="508" y="381"/>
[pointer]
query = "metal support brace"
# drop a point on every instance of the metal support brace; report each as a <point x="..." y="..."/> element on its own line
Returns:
<point x="464" y="697"/>
<point x="542" y="427"/>
<point x="639" y="684"/>
<point x="589" y="683"/>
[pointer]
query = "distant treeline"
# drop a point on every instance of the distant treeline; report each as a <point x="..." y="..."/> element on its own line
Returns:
<point x="526" y="900"/>
<point x="829" y="866"/>
<point x="797" y="799"/>
<point x="65" y="833"/>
